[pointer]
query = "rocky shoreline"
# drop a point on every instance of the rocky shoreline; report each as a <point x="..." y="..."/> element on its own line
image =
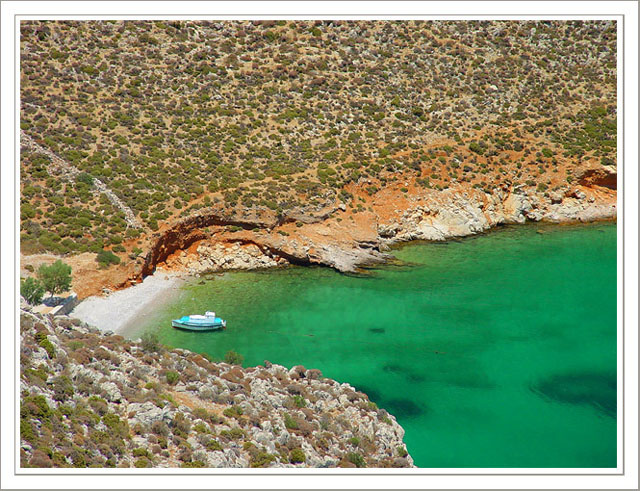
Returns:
<point x="431" y="215"/>
<point x="94" y="399"/>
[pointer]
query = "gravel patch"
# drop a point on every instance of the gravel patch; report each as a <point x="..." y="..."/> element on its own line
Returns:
<point x="116" y="311"/>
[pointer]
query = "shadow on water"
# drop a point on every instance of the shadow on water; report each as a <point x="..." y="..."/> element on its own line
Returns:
<point x="377" y="330"/>
<point x="372" y="393"/>
<point x="400" y="408"/>
<point x="410" y="375"/>
<point x="404" y="408"/>
<point x="597" y="389"/>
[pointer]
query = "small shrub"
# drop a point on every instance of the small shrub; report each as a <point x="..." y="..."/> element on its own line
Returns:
<point x="262" y="459"/>
<point x="43" y="342"/>
<point x="356" y="459"/>
<point x="233" y="358"/>
<point x="299" y="401"/>
<point x="140" y="452"/>
<point x="201" y="428"/>
<point x="172" y="377"/>
<point x="213" y="445"/>
<point x="233" y="411"/>
<point x="26" y="431"/>
<point x="116" y="426"/>
<point x="402" y="452"/>
<point x="297" y="456"/>
<point x="142" y="463"/>
<point x="289" y="422"/>
<point x="75" y="344"/>
<point x="150" y="342"/>
<point x="236" y="433"/>
<point x="107" y="258"/>
<point x="547" y="152"/>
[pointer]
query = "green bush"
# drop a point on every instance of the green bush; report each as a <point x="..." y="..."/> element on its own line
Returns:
<point x="357" y="459"/>
<point x="402" y="452"/>
<point x="201" y="428"/>
<point x="297" y="456"/>
<point x="172" y="377"/>
<point x="106" y="258"/>
<point x="236" y="433"/>
<point x="233" y="358"/>
<point x="26" y="431"/>
<point x="232" y="412"/>
<point x="262" y="459"/>
<point x="213" y="445"/>
<point x="299" y="401"/>
<point x="32" y="290"/>
<point x="142" y="463"/>
<point x="289" y="422"/>
<point x="140" y="452"/>
<point x="547" y="153"/>
<point x="117" y="427"/>
<point x="150" y="342"/>
<point x="43" y="342"/>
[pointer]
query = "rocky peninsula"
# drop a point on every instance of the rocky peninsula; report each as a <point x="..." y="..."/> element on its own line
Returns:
<point x="95" y="399"/>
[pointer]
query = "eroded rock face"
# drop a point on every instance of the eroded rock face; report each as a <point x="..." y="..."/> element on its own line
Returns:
<point x="428" y="215"/>
<point x="103" y="401"/>
<point x="189" y="230"/>
<point x="604" y="176"/>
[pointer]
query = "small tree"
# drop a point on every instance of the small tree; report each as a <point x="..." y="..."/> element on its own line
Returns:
<point x="55" y="278"/>
<point x="32" y="290"/>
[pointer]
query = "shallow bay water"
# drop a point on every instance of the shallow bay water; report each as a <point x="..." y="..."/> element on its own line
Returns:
<point x="492" y="351"/>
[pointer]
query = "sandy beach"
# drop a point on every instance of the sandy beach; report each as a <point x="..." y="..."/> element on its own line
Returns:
<point x="116" y="311"/>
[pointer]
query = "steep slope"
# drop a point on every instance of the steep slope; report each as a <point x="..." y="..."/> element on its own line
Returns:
<point x="90" y="399"/>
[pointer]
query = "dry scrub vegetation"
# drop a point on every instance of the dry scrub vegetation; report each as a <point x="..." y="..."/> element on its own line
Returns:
<point x="174" y="116"/>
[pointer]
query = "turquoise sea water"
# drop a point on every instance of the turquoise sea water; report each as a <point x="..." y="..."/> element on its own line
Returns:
<point x="492" y="351"/>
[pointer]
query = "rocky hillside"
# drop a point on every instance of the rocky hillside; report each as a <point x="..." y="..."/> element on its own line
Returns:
<point x="139" y="122"/>
<point x="93" y="399"/>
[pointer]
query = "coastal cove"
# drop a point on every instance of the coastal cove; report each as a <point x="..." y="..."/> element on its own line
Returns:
<point x="496" y="350"/>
